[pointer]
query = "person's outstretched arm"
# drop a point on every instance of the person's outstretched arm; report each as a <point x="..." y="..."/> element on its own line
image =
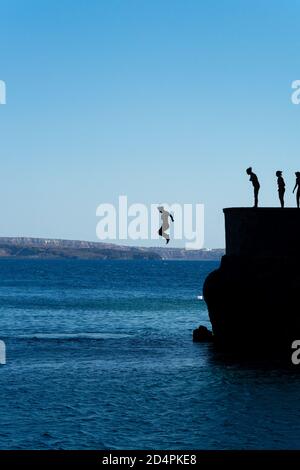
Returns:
<point x="295" y="187"/>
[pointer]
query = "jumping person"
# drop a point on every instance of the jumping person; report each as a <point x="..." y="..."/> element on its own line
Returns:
<point x="281" y="187"/>
<point x="255" y="183"/>
<point x="297" y="185"/>
<point x="165" y="223"/>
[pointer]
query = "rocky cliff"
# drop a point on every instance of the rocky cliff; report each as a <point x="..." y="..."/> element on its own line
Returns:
<point x="253" y="297"/>
<point x="22" y="247"/>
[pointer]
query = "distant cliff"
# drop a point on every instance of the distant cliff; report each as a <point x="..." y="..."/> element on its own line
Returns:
<point x="44" y="248"/>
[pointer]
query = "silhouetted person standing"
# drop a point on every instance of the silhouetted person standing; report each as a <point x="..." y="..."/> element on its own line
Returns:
<point x="255" y="183"/>
<point x="281" y="187"/>
<point x="297" y="185"/>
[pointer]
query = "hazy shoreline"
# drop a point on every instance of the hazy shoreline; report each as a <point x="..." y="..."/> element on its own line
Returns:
<point x="44" y="248"/>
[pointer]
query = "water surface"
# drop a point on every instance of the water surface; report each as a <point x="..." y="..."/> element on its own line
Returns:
<point x="100" y="356"/>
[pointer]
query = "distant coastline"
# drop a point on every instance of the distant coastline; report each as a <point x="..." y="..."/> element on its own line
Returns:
<point x="45" y="248"/>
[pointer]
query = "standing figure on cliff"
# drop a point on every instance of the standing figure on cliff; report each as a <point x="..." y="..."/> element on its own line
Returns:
<point x="281" y="187"/>
<point x="165" y="223"/>
<point x="297" y="185"/>
<point x="255" y="183"/>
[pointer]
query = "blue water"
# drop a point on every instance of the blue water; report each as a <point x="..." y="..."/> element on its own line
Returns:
<point x="100" y="356"/>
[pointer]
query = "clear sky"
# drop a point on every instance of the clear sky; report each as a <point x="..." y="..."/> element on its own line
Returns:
<point x="161" y="100"/>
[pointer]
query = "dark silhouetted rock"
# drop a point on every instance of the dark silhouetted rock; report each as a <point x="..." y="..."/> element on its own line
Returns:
<point x="253" y="298"/>
<point x="202" y="334"/>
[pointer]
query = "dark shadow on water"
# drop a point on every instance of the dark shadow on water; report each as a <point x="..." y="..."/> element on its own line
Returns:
<point x="246" y="360"/>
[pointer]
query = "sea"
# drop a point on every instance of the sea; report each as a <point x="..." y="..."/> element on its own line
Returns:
<point x="99" y="355"/>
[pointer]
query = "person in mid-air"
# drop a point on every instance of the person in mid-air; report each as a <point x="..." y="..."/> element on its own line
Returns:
<point x="297" y="185"/>
<point x="281" y="187"/>
<point x="255" y="183"/>
<point x="165" y="223"/>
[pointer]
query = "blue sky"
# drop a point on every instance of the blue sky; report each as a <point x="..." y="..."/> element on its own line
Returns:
<point x="160" y="100"/>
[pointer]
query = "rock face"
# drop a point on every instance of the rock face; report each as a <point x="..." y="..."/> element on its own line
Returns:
<point x="202" y="335"/>
<point x="253" y="298"/>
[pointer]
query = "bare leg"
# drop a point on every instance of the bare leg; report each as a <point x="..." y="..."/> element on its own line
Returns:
<point x="256" y="197"/>
<point x="166" y="236"/>
<point x="281" y="198"/>
<point x="162" y="232"/>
